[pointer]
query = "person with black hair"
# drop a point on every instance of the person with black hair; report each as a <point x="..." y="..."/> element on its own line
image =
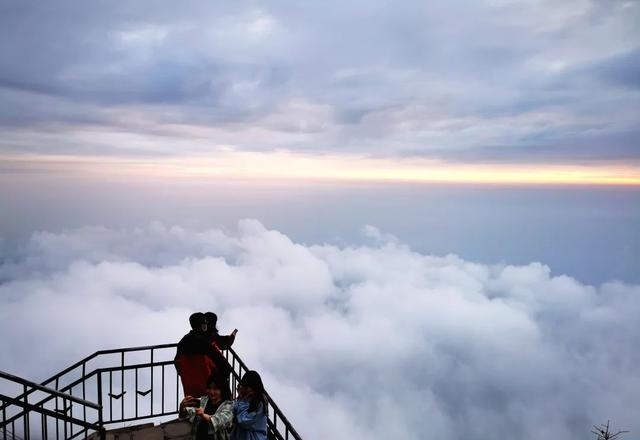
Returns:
<point x="196" y="359"/>
<point x="250" y="409"/>
<point x="211" y="415"/>
<point x="221" y="342"/>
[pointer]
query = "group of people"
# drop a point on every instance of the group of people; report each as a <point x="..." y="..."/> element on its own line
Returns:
<point x="208" y="403"/>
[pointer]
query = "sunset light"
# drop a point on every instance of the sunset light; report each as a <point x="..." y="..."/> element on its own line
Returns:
<point x="284" y="166"/>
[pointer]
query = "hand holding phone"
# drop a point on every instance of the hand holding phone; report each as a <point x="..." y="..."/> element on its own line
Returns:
<point x="194" y="402"/>
<point x="189" y="401"/>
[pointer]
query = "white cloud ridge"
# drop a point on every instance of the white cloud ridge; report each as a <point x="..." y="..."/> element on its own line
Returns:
<point x="354" y="342"/>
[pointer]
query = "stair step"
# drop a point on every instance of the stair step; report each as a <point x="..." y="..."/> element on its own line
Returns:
<point x="176" y="430"/>
<point x="172" y="430"/>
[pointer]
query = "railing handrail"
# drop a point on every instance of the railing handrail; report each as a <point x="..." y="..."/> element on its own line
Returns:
<point x="69" y="386"/>
<point x="29" y="407"/>
<point x="108" y="351"/>
<point x="276" y="409"/>
<point x="93" y="356"/>
<point x="48" y="412"/>
<point x="53" y="393"/>
<point x="286" y="421"/>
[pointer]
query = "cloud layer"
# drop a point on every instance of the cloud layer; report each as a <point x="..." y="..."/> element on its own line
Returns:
<point x="459" y="80"/>
<point x="355" y="342"/>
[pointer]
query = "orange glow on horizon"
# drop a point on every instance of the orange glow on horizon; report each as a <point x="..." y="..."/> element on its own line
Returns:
<point x="285" y="166"/>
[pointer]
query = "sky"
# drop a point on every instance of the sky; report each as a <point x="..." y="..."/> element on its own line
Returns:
<point x="433" y="207"/>
<point x="537" y="90"/>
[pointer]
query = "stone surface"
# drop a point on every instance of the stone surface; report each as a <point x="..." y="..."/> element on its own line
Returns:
<point x="172" y="430"/>
<point x="176" y="430"/>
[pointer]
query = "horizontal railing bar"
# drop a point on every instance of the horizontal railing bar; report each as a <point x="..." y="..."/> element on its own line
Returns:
<point x="48" y="390"/>
<point x="48" y="398"/>
<point x="47" y="412"/>
<point x="94" y="355"/>
<point x="86" y="377"/>
<point x="109" y="351"/>
<point x="112" y="369"/>
<point x="140" y="348"/>
<point x="131" y="367"/>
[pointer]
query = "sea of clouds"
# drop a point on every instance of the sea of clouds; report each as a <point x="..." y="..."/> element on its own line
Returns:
<point x="372" y="341"/>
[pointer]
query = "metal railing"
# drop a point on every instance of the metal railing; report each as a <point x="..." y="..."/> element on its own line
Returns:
<point x="137" y="383"/>
<point x="24" y="419"/>
<point x="128" y="384"/>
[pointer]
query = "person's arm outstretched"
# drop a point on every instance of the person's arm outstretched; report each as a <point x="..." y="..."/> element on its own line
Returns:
<point x="224" y="342"/>
<point x="223" y="418"/>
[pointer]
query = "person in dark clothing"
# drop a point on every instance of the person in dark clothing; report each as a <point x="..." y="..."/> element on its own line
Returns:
<point x="196" y="359"/>
<point x="222" y="342"/>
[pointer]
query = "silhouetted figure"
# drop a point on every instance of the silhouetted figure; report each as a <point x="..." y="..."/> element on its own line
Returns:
<point x="222" y="342"/>
<point x="211" y="415"/>
<point x="250" y="409"/>
<point x="196" y="359"/>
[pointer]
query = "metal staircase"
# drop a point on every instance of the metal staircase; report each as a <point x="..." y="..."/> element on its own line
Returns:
<point x="109" y="387"/>
<point x="51" y="417"/>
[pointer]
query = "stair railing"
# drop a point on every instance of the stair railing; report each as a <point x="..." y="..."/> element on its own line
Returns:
<point x="139" y="383"/>
<point x="21" y="418"/>
<point x="129" y="384"/>
<point x="277" y="420"/>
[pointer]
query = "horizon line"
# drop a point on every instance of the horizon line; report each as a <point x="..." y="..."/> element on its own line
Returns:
<point x="283" y="166"/>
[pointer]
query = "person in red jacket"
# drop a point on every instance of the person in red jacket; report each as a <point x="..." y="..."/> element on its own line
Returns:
<point x="196" y="359"/>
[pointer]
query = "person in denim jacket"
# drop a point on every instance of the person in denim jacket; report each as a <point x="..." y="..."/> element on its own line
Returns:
<point x="250" y="409"/>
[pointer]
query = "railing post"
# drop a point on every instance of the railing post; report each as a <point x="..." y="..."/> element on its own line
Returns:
<point x="25" y="433"/>
<point x="122" y="385"/>
<point x="4" y="420"/>
<point x="151" y="367"/>
<point x="103" y="432"/>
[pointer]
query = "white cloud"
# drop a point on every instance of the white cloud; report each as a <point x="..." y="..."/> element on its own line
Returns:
<point x="262" y="24"/>
<point x="147" y="35"/>
<point x="368" y="342"/>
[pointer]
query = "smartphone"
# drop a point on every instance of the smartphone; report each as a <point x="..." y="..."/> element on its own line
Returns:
<point x="194" y="403"/>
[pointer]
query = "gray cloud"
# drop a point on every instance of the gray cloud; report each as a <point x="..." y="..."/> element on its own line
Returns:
<point x="550" y="146"/>
<point x="373" y="341"/>
<point x="621" y="69"/>
<point x="374" y="78"/>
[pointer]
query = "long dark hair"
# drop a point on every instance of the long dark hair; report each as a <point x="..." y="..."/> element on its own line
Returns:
<point x="220" y="382"/>
<point x="212" y="321"/>
<point x="251" y="379"/>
